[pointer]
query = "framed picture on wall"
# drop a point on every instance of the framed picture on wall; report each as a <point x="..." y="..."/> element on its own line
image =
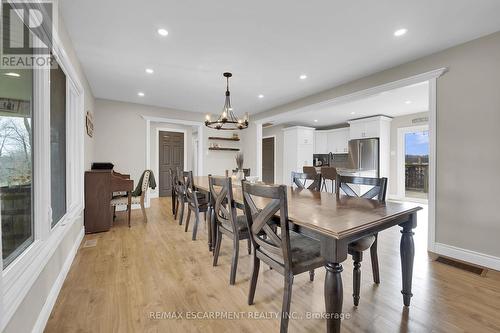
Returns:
<point x="89" y="124"/>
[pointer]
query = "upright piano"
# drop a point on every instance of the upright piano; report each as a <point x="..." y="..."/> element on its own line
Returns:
<point x="100" y="183"/>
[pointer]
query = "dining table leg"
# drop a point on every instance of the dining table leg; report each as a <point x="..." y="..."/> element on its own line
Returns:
<point x="334" y="252"/>
<point x="407" y="253"/>
<point x="333" y="296"/>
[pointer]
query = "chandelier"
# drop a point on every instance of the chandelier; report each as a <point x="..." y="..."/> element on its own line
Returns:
<point x="227" y="120"/>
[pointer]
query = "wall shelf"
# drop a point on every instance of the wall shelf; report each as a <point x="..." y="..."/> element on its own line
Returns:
<point x="226" y="149"/>
<point x="223" y="138"/>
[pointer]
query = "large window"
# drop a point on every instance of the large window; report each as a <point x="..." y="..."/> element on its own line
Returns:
<point x="16" y="160"/>
<point x="58" y="143"/>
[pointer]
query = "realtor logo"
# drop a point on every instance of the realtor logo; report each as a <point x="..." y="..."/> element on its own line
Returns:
<point x="26" y="34"/>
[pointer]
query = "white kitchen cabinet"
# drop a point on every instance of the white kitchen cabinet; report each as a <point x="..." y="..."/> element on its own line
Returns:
<point x="321" y="142"/>
<point x="365" y="128"/>
<point x="338" y="140"/>
<point x="298" y="150"/>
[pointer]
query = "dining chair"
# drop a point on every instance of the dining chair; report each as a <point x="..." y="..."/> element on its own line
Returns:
<point x="246" y="172"/>
<point x="228" y="222"/>
<point x="356" y="248"/>
<point x="134" y="199"/>
<point x="197" y="202"/>
<point x="328" y="173"/>
<point x="287" y="252"/>
<point x="173" y="181"/>
<point x="180" y="194"/>
<point x="300" y="179"/>
<point x="309" y="169"/>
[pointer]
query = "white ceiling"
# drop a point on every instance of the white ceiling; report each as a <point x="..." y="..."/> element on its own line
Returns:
<point x="392" y="103"/>
<point x="266" y="44"/>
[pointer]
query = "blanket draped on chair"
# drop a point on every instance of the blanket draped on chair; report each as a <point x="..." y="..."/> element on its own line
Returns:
<point x="152" y="183"/>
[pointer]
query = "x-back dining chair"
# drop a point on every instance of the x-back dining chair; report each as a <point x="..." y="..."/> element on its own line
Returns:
<point x="328" y="173"/>
<point x="173" y="182"/>
<point x="180" y="194"/>
<point x="197" y="202"/>
<point x="287" y="252"/>
<point x="300" y="179"/>
<point x="228" y="222"/>
<point x="356" y="248"/>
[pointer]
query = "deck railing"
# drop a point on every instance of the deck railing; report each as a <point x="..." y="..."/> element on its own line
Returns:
<point x="417" y="177"/>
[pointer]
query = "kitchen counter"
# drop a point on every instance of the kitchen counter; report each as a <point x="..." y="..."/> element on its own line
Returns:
<point x="353" y="172"/>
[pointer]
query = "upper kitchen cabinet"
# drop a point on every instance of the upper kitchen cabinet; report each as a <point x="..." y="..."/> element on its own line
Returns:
<point x="321" y="142"/>
<point x="338" y="140"/>
<point x="331" y="141"/>
<point x="298" y="149"/>
<point x="367" y="127"/>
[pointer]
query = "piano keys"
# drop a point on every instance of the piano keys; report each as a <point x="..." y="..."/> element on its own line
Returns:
<point x="100" y="183"/>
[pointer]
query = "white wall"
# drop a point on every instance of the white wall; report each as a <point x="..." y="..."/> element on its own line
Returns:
<point x="120" y="137"/>
<point x="36" y="305"/>
<point x="400" y="122"/>
<point x="218" y="161"/>
<point x="120" y="133"/>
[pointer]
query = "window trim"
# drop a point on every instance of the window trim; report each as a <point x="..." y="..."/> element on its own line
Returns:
<point x="18" y="278"/>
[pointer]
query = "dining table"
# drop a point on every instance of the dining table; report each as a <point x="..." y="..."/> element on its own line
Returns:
<point x="337" y="220"/>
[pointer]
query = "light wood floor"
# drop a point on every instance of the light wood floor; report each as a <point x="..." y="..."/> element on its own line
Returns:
<point x="155" y="267"/>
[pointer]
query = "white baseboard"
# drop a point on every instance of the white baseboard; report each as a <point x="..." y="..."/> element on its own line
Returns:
<point x="480" y="259"/>
<point x="44" y="315"/>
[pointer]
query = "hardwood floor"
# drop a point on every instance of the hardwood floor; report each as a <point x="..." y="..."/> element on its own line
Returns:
<point x="155" y="267"/>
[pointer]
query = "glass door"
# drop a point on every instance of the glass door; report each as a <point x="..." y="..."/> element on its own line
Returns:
<point x="416" y="145"/>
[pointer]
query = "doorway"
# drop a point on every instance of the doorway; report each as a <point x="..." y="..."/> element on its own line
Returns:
<point x="268" y="159"/>
<point x="171" y="156"/>
<point x="414" y="163"/>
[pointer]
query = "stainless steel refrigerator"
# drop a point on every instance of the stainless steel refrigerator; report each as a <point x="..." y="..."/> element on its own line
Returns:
<point x="364" y="156"/>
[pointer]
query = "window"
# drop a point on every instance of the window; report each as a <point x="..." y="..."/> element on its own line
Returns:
<point x="16" y="161"/>
<point x="58" y="143"/>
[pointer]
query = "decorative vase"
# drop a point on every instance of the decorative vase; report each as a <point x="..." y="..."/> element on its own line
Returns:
<point x="239" y="176"/>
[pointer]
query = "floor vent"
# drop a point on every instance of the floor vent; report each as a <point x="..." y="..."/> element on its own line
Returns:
<point x="90" y="243"/>
<point x="462" y="266"/>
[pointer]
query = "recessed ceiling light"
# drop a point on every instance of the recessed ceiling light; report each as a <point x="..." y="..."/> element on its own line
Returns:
<point x="400" y="32"/>
<point x="149" y="71"/>
<point x="303" y="77"/>
<point x="162" y="32"/>
<point x="260" y="96"/>
<point x="353" y="112"/>
<point x="315" y="120"/>
<point x="141" y="94"/>
<point x="408" y="102"/>
<point x="12" y="74"/>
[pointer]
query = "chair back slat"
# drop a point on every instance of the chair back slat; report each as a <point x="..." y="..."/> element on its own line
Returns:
<point x="221" y="191"/>
<point x="173" y="179"/>
<point x="261" y="223"/>
<point x="300" y="178"/>
<point x="378" y="191"/>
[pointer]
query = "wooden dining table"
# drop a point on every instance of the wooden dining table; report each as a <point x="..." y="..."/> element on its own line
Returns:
<point x="337" y="221"/>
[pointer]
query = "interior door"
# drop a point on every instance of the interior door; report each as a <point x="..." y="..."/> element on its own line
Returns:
<point x="268" y="160"/>
<point x="171" y="156"/>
